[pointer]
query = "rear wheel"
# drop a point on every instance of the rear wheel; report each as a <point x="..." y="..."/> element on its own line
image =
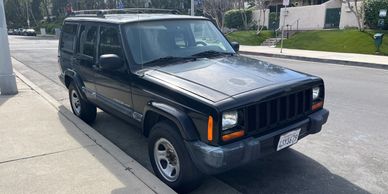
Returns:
<point x="81" y="108"/>
<point x="170" y="159"/>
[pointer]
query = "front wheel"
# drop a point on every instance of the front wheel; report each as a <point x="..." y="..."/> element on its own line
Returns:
<point x="170" y="159"/>
<point x="81" y="108"/>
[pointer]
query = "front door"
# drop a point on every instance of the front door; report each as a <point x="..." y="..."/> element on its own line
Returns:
<point x="333" y="17"/>
<point x="113" y="86"/>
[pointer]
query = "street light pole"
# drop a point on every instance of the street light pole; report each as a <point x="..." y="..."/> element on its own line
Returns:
<point x="7" y="77"/>
<point x="192" y="8"/>
<point x="28" y="16"/>
<point x="284" y="22"/>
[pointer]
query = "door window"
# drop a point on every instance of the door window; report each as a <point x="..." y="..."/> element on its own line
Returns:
<point x="110" y="42"/>
<point x="88" y="40"/>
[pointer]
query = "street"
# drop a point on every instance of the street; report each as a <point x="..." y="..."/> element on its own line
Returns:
<point x="350" y="155"/>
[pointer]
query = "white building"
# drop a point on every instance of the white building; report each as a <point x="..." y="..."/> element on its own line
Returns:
<point x="329" y="14"/>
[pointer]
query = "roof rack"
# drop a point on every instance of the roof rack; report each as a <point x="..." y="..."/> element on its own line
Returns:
<point x="103" y="12"/>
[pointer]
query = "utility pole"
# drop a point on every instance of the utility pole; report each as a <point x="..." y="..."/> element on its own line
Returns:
<point x="192" y="8"/>
<point x="7" y="77"/>
<point x="28" y="16"/>
<point x="285" y="3"/>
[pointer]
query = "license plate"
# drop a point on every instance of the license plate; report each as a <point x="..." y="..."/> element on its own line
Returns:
<point x="288" y="139"/>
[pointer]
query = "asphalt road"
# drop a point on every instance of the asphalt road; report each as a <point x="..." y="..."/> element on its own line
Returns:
<point x="350" y="155"/>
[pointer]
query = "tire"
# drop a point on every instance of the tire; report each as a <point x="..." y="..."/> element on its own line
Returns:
<point x="81" y="108"/>
<point x="186" y="177"/>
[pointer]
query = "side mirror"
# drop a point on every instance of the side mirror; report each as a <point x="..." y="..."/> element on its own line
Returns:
<point x="236" y="46"/>
<point x="111" y="62"/>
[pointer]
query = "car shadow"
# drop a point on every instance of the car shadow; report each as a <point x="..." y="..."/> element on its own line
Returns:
<point x="96" y="152"/>
<point x="288" y="171"/>
<point x="125" y="136"/>
<point x="4" y="98"/>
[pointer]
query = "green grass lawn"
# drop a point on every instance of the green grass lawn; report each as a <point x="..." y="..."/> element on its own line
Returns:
<point x="249" y="37"/>
<point x="349" y="41"/>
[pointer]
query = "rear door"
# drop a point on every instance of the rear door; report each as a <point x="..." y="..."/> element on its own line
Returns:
<point x="85" y="58"/>
<point x="67" y="45"/>
<point x="113" y="86"/>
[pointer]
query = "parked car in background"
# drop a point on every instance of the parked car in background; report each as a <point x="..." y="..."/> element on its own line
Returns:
<point x="15" y="31"/>
<point x="19" y="31"/>
<point x="11" y="31"/>
<point x="29" y="32"/>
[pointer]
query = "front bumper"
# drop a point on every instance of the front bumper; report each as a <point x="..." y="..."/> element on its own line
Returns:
<point x="213" y="160"/>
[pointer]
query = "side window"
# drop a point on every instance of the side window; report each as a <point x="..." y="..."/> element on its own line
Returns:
<point x="88" y="40"/>
<point x="69" y="32"/>
<point x="110" y="42"/>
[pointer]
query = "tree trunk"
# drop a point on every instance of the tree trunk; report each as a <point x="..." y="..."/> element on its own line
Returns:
<point x="258" y="23"/>
<point x="357" y="14"/>
<point x="45" y="6"/>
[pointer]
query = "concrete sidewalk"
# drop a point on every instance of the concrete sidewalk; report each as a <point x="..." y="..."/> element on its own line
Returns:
<point x="372" y="61"/>
<point x="46" y="149"/>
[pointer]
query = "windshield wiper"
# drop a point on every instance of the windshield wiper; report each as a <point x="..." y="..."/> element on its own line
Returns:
<point x="210" y="54"/>
<point x="168" y="59"/>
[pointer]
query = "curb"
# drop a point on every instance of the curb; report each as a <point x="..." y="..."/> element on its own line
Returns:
<point x="342" y="62"/>
<point x="128" y="163"/>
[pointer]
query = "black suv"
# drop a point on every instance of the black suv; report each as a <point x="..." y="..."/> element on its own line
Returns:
<point x="204" y="108"/>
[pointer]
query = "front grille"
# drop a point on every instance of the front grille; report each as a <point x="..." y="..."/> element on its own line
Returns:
<point x="279" y="111"/>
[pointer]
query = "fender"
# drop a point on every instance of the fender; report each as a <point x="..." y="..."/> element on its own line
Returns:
<point x="68" y="73"/>
<point x="180" y="119"/>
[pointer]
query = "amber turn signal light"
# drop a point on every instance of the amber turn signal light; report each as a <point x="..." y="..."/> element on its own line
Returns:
<point x="210" y="129"/>
<point x="233" y="135"/>
<point x="317" y="105"/>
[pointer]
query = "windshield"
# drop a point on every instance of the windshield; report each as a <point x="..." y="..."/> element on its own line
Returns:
<point x="161" y="40"/>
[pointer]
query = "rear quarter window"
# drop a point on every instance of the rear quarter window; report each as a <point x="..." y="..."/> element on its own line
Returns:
<point x="69" y="33"/>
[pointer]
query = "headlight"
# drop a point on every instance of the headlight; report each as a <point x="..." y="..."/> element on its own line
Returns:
<point x="316" y="93"/>
<point x="229" y="120"/>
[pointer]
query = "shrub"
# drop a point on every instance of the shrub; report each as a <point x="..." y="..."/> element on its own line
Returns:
<point x="233" y="18"/>
<point x="372" y="9"/>
<point x="273" y="21"/>
<point x="50" y="26"/>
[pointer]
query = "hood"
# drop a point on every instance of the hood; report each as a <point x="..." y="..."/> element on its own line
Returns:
<point x="218" y="79"/>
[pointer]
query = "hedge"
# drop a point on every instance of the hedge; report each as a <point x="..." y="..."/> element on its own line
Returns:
<point x="372" y="9"/>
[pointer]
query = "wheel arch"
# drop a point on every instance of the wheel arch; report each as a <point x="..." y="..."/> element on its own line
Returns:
<point x="155" y="112"/>
<point x="71" y="76"/>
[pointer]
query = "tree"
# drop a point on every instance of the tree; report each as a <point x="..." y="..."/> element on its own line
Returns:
<point x="216" y="9"/>
<point x="357" y="11"/>
<point x="262" y="6"/>
<point x="15" y="13"/>
<point x="45" y="4"/>
<point x="35" y="9"/>
<point x="58" y="7"/>
<point x="241" y="8"/>
<point x="372" y="10"/>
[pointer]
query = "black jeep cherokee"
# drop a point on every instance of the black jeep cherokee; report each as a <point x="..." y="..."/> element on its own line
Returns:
<point x="205" y="108"/>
